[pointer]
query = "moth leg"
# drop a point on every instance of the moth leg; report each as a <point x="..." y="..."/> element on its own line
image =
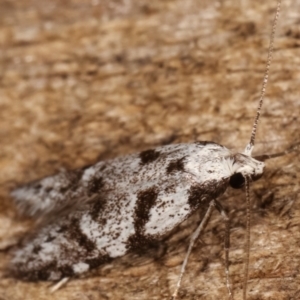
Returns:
<point x="226" y="243"/>
<point x="194" y="236"/>
<point x="58" y="285"/>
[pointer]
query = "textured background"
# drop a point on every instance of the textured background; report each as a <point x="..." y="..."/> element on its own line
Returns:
<point x="82" y="81"/>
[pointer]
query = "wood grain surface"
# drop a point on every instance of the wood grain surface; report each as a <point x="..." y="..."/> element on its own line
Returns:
<point x="82" y="81"/>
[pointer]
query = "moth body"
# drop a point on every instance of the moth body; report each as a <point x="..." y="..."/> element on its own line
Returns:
<point x="105" y="210"/>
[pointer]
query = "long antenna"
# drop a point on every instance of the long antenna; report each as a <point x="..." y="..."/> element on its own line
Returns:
<point x="250" y="146"/>
<point x="247" y="257"/>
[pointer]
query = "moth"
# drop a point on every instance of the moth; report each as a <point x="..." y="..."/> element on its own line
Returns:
<point x="105" y="210"/>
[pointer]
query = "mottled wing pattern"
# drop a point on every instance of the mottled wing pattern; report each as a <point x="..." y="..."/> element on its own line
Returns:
<point x="49" y="195"/>
<point x="136" y="200"/>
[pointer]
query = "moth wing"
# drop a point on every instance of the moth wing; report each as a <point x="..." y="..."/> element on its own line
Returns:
<point x="78" y="242"/>
<point x="135" y="200"/>
<point x="51" y="195"/>
<point x="108" y="227"/>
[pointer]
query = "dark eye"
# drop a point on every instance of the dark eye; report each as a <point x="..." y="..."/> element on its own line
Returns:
<point x="237" y="181"/>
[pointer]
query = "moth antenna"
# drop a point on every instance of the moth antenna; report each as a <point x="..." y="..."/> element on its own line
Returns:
<point x="250" y="146"/>
<point x="265" y="157"/>
<point x="247" y="247"/>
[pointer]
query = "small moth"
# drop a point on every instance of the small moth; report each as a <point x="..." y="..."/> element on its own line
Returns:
<point x="105" y="210"/>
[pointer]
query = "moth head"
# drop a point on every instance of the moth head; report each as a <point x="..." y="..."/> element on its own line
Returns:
<point x="245" y="166"/>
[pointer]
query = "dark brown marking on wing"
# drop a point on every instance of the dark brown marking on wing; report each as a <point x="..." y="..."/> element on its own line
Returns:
<point x="195" y="195"/>
<point x="95" y="185"/>
<point x="206" y="192"/>
<point x="139" y="242"/>
<point x="49" y="239"/>
<point x="63" y="228"/>
<point x="146" y="199"/>
<point x="36" y="249"/>
<point x="36" y="186"/>
<point x="149" y="156"/>
<point x="48" y="189"/>
<point x="66" y="270"/>
<point x="76" y="234"/>
<point x="44" y="272"/>
<point x="97" y="261"/>
<point x="97" y="207"/>
<point x="21" y="271"/>
<point x="175" y="166"/>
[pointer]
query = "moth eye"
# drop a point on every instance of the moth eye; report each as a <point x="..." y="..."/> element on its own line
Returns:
<point x="237" y="181"/>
